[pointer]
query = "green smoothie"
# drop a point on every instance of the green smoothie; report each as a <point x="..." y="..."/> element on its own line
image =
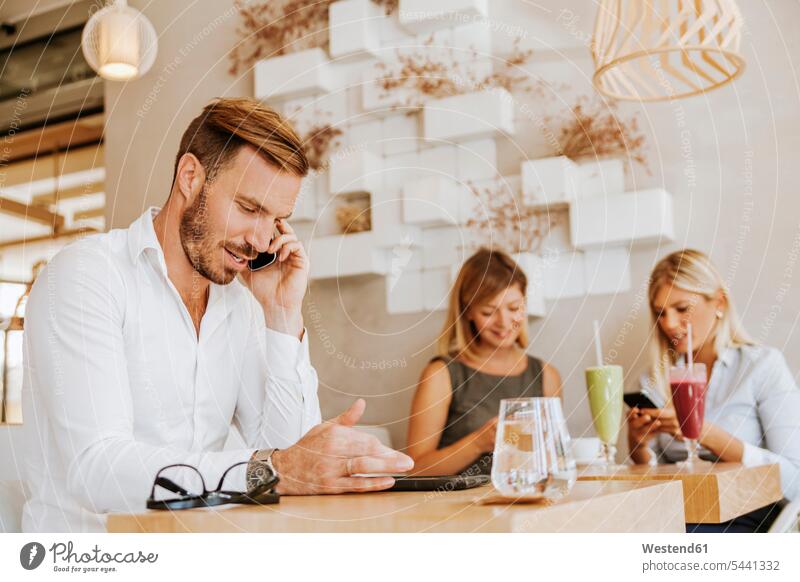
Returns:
<point x="604" y="384"/>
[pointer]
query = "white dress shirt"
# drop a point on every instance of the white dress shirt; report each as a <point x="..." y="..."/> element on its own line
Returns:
<point x="117" y="383"/>
<point x="753" y="396"/>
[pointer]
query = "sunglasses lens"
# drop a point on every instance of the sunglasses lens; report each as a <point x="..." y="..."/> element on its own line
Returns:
<point x="177" y="483"/>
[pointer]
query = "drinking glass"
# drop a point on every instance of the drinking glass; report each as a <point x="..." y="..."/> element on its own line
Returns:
<point x="532" y="452"/>
<point x="604" y="385"/>
<point x="688" y="385"/>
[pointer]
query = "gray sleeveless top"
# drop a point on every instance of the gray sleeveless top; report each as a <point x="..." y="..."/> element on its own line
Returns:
<point x="476" y="399"/>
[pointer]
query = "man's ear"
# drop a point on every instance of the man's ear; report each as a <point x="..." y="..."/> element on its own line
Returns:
<point x="190" y="177"/>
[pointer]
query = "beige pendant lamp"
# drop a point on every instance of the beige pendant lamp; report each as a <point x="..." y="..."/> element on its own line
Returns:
<point x="119" y="42"/>
<point x="654" y="50"/>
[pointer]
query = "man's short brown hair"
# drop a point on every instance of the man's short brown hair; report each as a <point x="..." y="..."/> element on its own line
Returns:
<point x="225" y="125"/>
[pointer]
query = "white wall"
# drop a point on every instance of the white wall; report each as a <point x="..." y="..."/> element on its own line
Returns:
<point x="728" y="158"/>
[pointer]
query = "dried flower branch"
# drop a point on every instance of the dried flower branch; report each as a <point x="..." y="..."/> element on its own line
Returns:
<point x="434" y="72"/>
<point x="276" y="27"/>
<point x="593" y="129"/>
<point x="389" y="6"/>
<point x="270" y="28"/>
<point x="353" y="217"/>
<point x="318" y="142"/>
<point x="504" y="224"/>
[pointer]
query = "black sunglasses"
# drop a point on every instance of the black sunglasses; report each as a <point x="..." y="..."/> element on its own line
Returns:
<point x="262" y="494"/>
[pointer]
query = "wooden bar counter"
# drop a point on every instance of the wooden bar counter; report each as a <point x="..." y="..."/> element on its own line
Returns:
<point x="591" y="506"/>
<point x="712" y="493"/>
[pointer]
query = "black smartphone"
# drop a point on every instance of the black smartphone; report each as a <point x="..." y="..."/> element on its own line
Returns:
<point x="262" y="261"/>
<point x="640" y="400"/>
<point x="438" y="483"/>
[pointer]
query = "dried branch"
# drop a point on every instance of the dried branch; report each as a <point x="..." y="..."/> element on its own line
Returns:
<point x="352" y="217"/>
<point x="270" y="28"/>
<point x="593" y="129"/>
<point x="318" y="142"/>
<point x="503" y="224"/>
<point x="434" y="74"/>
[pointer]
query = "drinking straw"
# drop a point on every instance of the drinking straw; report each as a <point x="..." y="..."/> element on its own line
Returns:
<point x="597" y="347"/>
<point x="689" y="355"/>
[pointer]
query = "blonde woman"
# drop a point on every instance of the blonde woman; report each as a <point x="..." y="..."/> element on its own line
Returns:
<point x="752" y="407"/>
<point x="482" y="359"/>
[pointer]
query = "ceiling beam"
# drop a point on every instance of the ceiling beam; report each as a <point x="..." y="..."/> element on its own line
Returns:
<point x="68" y="193"/>
<point x="72" y="233"/>
<point x="56" y="137"/>
<point x="48" y="166"/>
<point x="91" y="213"/>
<point x="34" y="213"/>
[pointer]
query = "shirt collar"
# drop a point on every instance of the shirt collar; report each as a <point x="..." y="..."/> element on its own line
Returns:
<point x="142" y="235"/>
<point x="728" y="356"/>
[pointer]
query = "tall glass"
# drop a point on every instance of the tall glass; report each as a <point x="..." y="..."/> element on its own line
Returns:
<point x="604" y="385"/>
<point x="532" y="452"/>
<point x="688" y="385"/>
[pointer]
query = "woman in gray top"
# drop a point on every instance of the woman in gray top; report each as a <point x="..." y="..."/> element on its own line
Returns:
<point x="752" y="403"/>
<point x="482" y="359"/>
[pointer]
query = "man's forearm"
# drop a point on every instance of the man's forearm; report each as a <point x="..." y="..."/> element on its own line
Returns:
<point x="285" y="321"/>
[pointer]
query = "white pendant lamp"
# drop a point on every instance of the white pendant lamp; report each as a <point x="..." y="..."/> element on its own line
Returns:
<point x="654" y="50"/>
<point x="119" y="42"/>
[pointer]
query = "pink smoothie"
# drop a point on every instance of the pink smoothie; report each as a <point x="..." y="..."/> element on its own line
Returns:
<point x="688" y="396"/>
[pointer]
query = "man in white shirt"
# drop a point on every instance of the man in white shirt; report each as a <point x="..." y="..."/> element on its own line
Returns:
<point x="142" y="346"/>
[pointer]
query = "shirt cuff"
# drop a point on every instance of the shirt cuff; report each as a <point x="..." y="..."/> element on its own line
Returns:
<point x="287" y="357"/>
<point x="752" y="455"/>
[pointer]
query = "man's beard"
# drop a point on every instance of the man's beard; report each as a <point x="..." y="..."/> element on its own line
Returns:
<point x="198" y="243"/>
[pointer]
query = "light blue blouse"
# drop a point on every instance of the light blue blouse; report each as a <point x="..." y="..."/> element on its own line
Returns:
<point x="752" y="395"/>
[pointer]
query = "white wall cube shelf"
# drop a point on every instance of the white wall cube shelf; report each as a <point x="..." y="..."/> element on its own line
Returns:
<point x="436" y="285"/>
<point x="293" y="75"/>
<point x="425" y="16"/>
<point x="400" y="134"/>
<point x="470" y="116"/>
<point x="378" y="101"/>
<point x="531" y="265"/>
<point x="305" y="209"/>
<point x="600" y="178"/>
<point x="633" y="218"/>
<point x="443" y="247"/>
<point x="431" y="201"/>
<point x="347" y="255"/>
<point x="564" y="275"/>
<point x="397" y="237"/>
<point x="358" y="171"/>
<point x="354" y="29"/>
<point x="404" y="292"/>
<point x="548" y="180"/>
<point x="477" y="160"/>
<point x="471" y="41"/>
<point x="607" y="271"/>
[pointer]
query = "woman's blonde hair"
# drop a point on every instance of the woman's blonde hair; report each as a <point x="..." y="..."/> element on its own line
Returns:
<point x="691" y="271"/>
<point x="483" y="275"/>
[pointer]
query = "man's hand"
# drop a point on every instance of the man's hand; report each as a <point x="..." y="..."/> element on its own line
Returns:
<point x="324" y="460"/>
<point x="280" y="288"/>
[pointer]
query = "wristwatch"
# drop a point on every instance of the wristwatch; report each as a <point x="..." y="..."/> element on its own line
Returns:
<point x="260" y="470"/>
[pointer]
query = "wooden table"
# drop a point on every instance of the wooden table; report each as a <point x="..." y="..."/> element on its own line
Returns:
<point x="712" y="493"/>
<point x="593" y="506"/>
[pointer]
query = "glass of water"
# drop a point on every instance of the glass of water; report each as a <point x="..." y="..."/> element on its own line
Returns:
<point x="532" y="453"/>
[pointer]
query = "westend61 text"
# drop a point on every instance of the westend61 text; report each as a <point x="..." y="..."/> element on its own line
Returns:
<point x="675" y="549"/>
